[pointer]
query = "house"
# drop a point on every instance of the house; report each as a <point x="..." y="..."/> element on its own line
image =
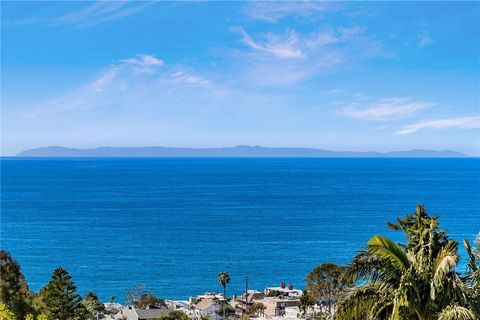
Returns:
<point x="241" y="304"/>
<point x="207" y="295"/>
<point x="179" y="305"/>
<point x="112" y="307"/>
<point x="278" y="306"/>
<point x="283" y="291"/>
<point x="132" y="313"/>
<point x="206" y="307"/>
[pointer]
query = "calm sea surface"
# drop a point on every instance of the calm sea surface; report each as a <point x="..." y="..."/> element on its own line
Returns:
<point x="174" y="224"/>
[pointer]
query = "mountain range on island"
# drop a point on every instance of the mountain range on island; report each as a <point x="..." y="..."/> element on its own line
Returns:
<point x="238" y="151"/>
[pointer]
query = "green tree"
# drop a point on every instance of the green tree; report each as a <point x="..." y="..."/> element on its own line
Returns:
<point x="225" y="309"/>
<point x="14" y="291"/>
<point x="149" y="300"/>
<point x="415" y="227"/>
<point x="324" y="283"/>
<point x="134" y="293"/>
<point x="305" y="302"/>
<point x="472" y="278"/>
<point x="223" y="280"/>
<point x="175" y="315"/>
<point x="42" y="316"/>
<point x="6" y="314"/>
<point x="60" y="298"/>
<point x="92" y="305"/>
<point x="412" y="281"/>
<point x="256" y="310"/>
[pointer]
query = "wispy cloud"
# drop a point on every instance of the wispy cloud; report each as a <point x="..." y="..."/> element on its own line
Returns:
<point x="472" y="122"/>
<point x="140" y="78"/>
<point x="385" y="109"/>
<point x="141" y="63"/>
<point x="272" y="11"/>
<point x="100" y="12"/>
<point x="424" y="40"/>
<point x="21" y="22"/>
<point x="292" y="44"/>
<point x="183" y="77"/>
<point x="281" y="58"/>
<point x="281" y="46"/>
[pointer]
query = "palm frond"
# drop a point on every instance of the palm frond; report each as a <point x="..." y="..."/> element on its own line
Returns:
<point x="444" y="263"/>
<point x="454" y="312"/>
<point x="388" y="250"/>
<point x="357" y="303"/>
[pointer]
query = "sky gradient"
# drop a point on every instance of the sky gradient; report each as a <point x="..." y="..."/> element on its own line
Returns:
<point x="342" y="76"/>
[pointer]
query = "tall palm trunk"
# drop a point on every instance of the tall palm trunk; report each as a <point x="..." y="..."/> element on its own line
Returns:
<point x="225" y="300"/>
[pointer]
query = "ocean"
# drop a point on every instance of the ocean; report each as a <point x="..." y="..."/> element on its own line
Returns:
<point x="173" y="224"/>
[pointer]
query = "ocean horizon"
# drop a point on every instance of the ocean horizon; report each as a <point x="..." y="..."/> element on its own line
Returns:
<point x="174" y="223"/>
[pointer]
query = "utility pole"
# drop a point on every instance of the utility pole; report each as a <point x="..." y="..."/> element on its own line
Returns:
<point x="246" y="295"/>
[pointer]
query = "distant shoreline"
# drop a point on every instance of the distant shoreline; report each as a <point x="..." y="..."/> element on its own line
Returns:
<point x="227" y="152"/>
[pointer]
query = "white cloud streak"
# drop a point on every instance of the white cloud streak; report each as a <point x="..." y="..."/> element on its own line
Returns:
<point x="100" y="12"/>
<point x="272" y="11"/>
<point x="424" y="40"/>
<point x="138" y="78"/>
<point x="385" y="109"/>
<point x="284" y="46"/>
<point x="288" y="57"/>
<point x="472" y="122"/>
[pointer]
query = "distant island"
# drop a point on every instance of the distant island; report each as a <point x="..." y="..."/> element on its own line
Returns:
<point x="238" y="151"/>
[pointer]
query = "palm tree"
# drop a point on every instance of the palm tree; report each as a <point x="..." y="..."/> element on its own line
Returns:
<point x="224" y="279"/>
<point x="472" y="278"/>
<point x="413" y="281"/>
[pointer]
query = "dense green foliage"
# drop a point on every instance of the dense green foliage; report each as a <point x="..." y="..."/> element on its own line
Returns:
<point x="472" y="278"/>
<point x="149" y="300"/>
<point x="60" y="298"/>
<point x="92" y="305"/>
<point x="14" y="292"/>
<point x="412" y="281"/>
<point x="256" y="310"/>
<point x="324" y="283"/>
<point x="175" y="315"/>
<point x="306" y="301"/>
<point x="6" y="314"/>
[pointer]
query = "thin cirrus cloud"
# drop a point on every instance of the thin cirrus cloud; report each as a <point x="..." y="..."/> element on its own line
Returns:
<point x="140" y="78"/>
<point x="273" y="11"/>
<point x="280" y="46"/>
<point x="292" y="44"/>
<point x="424" y="40"/>
<point x="100" y="12"/>
<point x="141" y="63"/>
<point x="288" y="57"/>
<point x="472" y="122"/>
<point x="385" y="109"/>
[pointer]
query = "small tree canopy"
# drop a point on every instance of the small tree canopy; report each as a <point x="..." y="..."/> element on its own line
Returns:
<point x="60" y="297"/>
<point x="92" y="304"/>
<point x="149" y="300"/>
<point x="14" y="291"/>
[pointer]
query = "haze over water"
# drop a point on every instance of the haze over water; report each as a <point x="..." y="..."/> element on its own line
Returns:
<point x="174" y="224"/>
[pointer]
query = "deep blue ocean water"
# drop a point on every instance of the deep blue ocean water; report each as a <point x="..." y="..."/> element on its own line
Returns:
<point x="174" y="224"/>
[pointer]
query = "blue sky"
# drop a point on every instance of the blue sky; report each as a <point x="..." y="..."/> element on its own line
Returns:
<point x="333" y="75"/>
